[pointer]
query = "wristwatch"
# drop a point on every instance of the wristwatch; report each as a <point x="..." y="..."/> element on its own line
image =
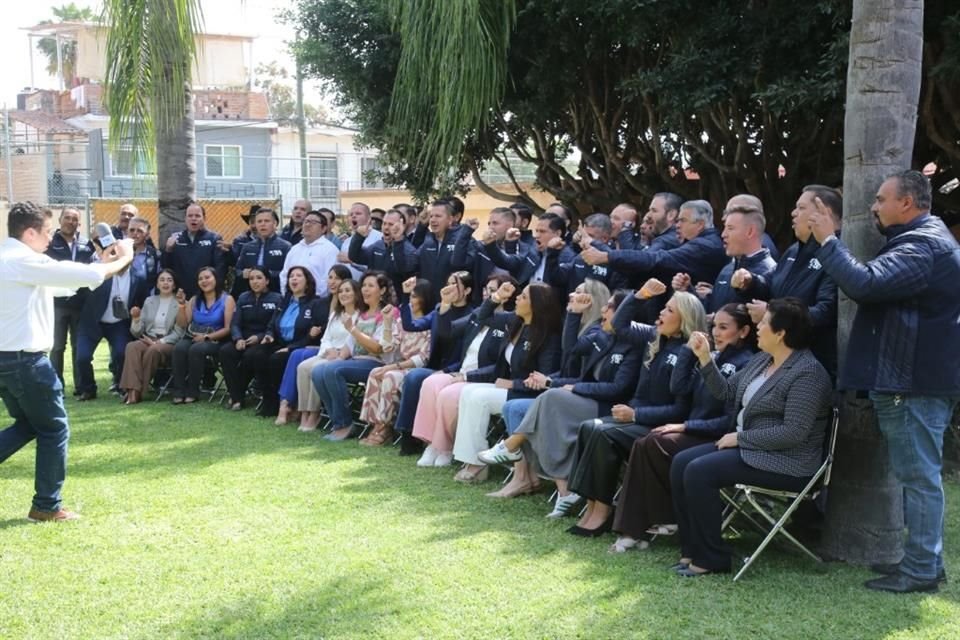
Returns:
<point x="548" y="383"/>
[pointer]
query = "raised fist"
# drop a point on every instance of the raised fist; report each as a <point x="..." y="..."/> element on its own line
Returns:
<point x="700" y="346"/>
<point x="513" y="234"/>
<point x="134" y="312"/>
<point x="681" y="282"/>
<point x="473" y="223"/>
<point x="409" y="284"/>
<point x="741" y="279"/>
<point x="505" y="292"/>
<point x="650" y="289"/>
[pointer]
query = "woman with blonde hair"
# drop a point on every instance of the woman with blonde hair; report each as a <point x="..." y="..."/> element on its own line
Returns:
<point x="604" y="444"/>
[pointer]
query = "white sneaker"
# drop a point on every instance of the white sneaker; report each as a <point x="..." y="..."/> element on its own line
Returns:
<point x="565" y="505"/>
<point x="443" y="460"/>
<point x="428" y="458"/>
<point x="499" y="454"/>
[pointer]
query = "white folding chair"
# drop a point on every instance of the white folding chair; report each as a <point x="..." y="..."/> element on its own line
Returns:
<point x="750" y="501"/>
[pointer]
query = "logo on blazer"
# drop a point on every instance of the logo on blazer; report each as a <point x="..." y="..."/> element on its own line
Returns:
<point x="814" y="264"/>
<point x="499" y="333"/>
<point x="600" y="270"/>
<point x="672" y="359"/>
<point x="205" y="243"/>
<point x="276" y="252"/>
<point x="449" y="247"/>
<point x="269" y="305"/>
<point x="616" y="358"/>
<point x="728" y="369"/>
<point x="308" y="314"/>
<point x="526" y="345"/>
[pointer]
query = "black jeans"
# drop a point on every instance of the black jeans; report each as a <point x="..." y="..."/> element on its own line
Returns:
<point x="602" y="446"/>
<point x="696" y="477"/>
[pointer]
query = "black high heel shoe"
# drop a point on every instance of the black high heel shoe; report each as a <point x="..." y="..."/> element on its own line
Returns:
<point x="606" y="527"/>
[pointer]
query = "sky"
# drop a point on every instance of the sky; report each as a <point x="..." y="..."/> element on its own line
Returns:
<point x="243" y="17"/>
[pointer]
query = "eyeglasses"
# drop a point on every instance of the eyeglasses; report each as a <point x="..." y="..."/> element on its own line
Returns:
<point x="313" y="221"/>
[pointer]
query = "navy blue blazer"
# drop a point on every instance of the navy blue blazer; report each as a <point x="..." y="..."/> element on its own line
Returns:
<point x="96" y="303"/>
<point x="312" y="313"/>
<point x="701" y="258"/>
<point x="189" y="256"/>
<point x="709" y="417"/>
<point x="439" y="259"/>
<point x="608" y="367"/>
<point x="466" y="328"/>
<point x="275" y="251"/>
<point x="567" y="276"/>
<point x="759" y="264"/>
<point x="254" y="314"/>
<point x="58" y="249"/>
<point x="524" y="266"/>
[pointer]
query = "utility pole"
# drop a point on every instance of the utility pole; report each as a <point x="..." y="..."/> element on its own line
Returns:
<point x="6" y="153"/>
<point x="301" y="126"/>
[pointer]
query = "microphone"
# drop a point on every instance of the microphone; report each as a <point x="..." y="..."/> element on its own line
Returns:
<point x="104" y="235"/>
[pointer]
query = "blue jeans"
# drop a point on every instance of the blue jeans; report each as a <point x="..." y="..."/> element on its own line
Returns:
<point x="409" y="398"/>
<point x="288" y="384"/>
<point x="33" y="393"/>
<point x="117" y="335"/>
<point x="913" y="427"/>
<point x="514" y="411"/>
<point x="331" y="383"/>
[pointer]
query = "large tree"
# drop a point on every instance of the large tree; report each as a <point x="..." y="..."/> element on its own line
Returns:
<point x="612" y="100"/>
<point x="865" y="514"/>
<point x="150" y="55"/>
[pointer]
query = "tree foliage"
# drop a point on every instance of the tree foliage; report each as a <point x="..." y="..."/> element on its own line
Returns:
<point x="746" y="94"/>
<point x="275" y="82"/>
<point x="68" y="49"/>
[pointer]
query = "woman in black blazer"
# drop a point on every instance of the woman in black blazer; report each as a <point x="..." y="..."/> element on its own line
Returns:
<point x="781" y="400"/>
<point x="299" y="321"/>
<point x="645" y="506"/>
<point x="532" y="345"/>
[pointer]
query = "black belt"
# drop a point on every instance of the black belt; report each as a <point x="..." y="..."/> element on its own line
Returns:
<point x="20" y="355"/>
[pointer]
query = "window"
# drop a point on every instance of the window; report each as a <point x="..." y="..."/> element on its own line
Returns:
<point x="121" y="164"/>
<point x="369" y="174"/>
<point x="223" y="161"/>
<point x="322" y="172"/>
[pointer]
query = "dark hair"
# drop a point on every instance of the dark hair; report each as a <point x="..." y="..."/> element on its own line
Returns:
<point x="217" y="290"/>
<point x="263" y="271"/>
<point x="545" y="321"/>
<point x="507" y="213"/>
<point x="567" y="211"/>
<point x="423" y="291"/>
<point x="317" y="214"/>
<point x="170" y="273"/>
<point x="916" y="185"/>
<point x="738" y="311"/>
<point x="328" y="214"/>
<point x="26" y="215"/>
<point x="618" y="296"/>
<point x="829" y="196"/>
<point x="791" y="316"/>
<point x="456" y="204"/>
<point x="464" y="277"/>
<point x="556" y="222"/>
<point x="445" y="204"/>
<point x="343" y="271"/>
<point x="311" y="289"/>
<point x="523" y="211"/>
<point x="357" y="298"/>
<point x="389" y="295"/>
<point x="276" y="218"/>
<point x="671" y="201"/>
<point x="501" y="278"/>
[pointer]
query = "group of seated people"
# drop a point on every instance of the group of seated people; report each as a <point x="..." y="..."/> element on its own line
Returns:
<point x="684" y="361"/>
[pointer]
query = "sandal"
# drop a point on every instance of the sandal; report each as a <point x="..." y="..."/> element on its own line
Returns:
<point x="466" y="476"/>
<point x="178" y="401"/>
<point x="625" y="543"/>
<point x="514" y="491"/>
<point x="189" y="400"/>
<point x="378" y="437"/>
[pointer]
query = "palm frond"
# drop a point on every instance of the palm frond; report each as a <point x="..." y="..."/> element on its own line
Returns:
<point x="151" y="48"/>
<point x="452" y="73"/>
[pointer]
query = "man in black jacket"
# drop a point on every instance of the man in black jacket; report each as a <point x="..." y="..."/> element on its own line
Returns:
<point x="196" y="246"/>
<point x="66" y="244"/>
<point x="292" y="232"/>
<point x="446" y="249"/>
<point x="393" y="253"/>
<point x="904" y="348"/>
<point x="500" y="222"/>
<point x="268" y="251"/>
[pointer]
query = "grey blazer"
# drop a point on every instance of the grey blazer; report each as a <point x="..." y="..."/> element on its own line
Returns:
<point x="786" y="421"/>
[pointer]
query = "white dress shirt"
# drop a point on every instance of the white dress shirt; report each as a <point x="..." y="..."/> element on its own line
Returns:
<point x="317" y="257"/>
<point x="28" y="283"/>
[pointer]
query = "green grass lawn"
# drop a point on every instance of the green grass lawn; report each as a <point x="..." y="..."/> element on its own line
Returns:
<point x="198" y="522"/>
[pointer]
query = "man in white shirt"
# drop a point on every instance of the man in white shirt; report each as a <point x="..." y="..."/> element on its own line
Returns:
<point x="29" y="387"/>
<point x="314" y="252"/>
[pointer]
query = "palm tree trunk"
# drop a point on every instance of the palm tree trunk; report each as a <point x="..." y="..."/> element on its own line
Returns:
<point x="176" y="170"/>
<point x="864" y="514"/>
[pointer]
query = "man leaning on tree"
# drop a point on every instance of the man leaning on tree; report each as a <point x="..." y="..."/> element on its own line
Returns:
<point x="904" y="348"/>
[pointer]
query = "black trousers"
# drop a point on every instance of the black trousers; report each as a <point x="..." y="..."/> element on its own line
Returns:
<point x="239" y="367"/>
<point x="696" y="477"/>
<point x="602" y="446"/>
<point x="66" y="323"/>
<point x="188" y="363"/>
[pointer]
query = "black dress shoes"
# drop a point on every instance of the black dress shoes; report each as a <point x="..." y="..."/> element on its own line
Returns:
<point x="891" y="569"/>
<point x="409" y="445"/>
<point x="87" y="395"/>
<point x="606" y="527"/>
<point x="902" y="583"/>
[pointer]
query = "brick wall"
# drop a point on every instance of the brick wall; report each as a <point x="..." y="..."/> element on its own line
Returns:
<point x="230" y="105"/>
<point x="29" y="178"/>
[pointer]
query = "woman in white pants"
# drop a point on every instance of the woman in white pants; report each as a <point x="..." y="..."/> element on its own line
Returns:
<point x="533" y="345"/>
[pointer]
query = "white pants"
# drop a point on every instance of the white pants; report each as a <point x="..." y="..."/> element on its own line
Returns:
<point x="478" y="401"/>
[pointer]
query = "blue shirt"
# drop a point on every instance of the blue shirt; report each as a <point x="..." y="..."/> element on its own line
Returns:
<point x="288" y="320"/>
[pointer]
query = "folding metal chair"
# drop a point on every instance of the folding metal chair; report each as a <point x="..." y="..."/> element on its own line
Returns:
<point x="748" y="500"/>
